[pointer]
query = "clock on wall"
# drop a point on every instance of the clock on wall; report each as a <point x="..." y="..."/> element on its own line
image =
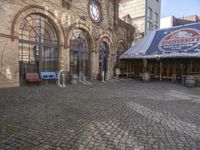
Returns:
<point x="94" y="9"/>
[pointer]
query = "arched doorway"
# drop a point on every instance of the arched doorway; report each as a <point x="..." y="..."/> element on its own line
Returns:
<point x="80" y="54"/>
<point x="38" y="45"/>
<point x="103" y="57"/>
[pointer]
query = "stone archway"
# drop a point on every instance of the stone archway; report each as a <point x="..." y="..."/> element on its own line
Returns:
<point x="105" y="50"/>
<point x="38" y="45"/>
<point x="80" y="54"/>
<point x="85" y="29"/>
<point x="103" y="59"/>
<point x="31" y="9"/>
<point x="57" y="29"/>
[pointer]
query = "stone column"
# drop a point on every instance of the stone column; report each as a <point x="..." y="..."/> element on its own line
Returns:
<point x="94" y="65"/>
<point x="9" y="63"/>
<point x="108" y="67"/>
<point x="64" y="62"/>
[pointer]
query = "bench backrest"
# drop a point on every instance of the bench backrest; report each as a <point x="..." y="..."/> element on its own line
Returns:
<point x="48" y="75"/>
<point x="32" y="76"/>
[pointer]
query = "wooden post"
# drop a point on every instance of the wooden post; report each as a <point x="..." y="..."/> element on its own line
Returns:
<point x="160" y="71"/>
<point x="145" y="65"/>
<point x="181" y="69"/>
<point x="126" y="68"/>
<point x="168" y="70"/>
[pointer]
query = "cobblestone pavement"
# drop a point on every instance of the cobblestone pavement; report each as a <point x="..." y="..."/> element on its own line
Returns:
<point x="118" y="115"/>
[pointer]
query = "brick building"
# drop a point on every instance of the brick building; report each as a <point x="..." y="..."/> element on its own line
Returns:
<point x="171" y="21"/>
<point x="79" y="37"/>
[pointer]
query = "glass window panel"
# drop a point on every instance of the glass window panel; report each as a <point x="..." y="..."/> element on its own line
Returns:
<point x="149" y="12"/>
<point x="156" y="17"/>
<point x="38" y="45"/>
<point x="79" y="45"/>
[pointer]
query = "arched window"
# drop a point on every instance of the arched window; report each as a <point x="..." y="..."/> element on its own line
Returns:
<point x="38" y="45"/>
<point x="103" y="56"/>
<point x="80" y="53"/>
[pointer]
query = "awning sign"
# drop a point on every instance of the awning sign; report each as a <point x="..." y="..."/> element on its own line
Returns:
<point x="180" y="40"/>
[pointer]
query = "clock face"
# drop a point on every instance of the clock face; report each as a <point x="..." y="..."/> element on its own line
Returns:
<point x="94" y="10"/>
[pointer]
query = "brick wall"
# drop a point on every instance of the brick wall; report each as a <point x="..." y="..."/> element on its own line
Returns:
<point x="66" y="15"/>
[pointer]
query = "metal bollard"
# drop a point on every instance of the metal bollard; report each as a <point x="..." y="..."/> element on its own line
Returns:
<point x="102" y="75"/>
<point x="63" y="79"/>
<point x="117" y="76"/>
<point x="61" y="74"/>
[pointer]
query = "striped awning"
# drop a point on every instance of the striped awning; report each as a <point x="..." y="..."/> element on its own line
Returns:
<point x="176" y="42"/>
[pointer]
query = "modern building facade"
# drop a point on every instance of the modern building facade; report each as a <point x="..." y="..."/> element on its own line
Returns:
<point x="48" y="36"/>
<point x="144" y="14"/>
<point x="171" y="21"/>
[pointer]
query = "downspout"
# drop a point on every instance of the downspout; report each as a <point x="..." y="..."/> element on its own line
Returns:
<point x="145" y="21"/>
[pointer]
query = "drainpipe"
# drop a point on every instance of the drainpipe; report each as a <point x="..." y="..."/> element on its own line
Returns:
<point x="145" y="21"/>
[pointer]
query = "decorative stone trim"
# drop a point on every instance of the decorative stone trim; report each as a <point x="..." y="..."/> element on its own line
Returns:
<point x="84" y="27"/>
<point x="66" y="3"/>
<point x="8" y="36"/>
<point x="106" y="40"/>
<point x="121" y="41"/>
<point x="43" y="11"/>
<point x="105" y="37"/>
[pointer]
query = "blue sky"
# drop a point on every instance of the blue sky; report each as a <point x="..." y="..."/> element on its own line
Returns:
<point x="180" y="8"/>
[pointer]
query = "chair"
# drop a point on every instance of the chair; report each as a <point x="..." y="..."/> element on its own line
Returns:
<point x="32" y="78"/>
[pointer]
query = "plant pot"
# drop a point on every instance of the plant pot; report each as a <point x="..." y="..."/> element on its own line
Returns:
<point x="146" y="77"/>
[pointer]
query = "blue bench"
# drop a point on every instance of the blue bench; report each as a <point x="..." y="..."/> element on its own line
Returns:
<point x="48" y="75"/>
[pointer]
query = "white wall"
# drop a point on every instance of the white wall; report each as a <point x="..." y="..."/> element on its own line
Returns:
<point x="137" y="11"/>
<point x="166" y="22"/>
<point x="155" y="6"/>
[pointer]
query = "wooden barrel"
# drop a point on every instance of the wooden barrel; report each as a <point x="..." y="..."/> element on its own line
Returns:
<point x="197" y="78"/>
<point x="146" y="77"/>
<point x="190" y="81"/>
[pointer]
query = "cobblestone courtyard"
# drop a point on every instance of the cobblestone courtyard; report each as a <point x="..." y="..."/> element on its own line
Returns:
<point x="115" y="115"/>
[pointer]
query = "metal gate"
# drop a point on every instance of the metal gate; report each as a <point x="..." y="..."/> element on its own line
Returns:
<point x="38" y="45"/>
<point x="80" y="56"/>
<point x="103" y="57"/>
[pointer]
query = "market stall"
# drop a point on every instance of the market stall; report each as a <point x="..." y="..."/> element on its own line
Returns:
<point x="171" y="53"/>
